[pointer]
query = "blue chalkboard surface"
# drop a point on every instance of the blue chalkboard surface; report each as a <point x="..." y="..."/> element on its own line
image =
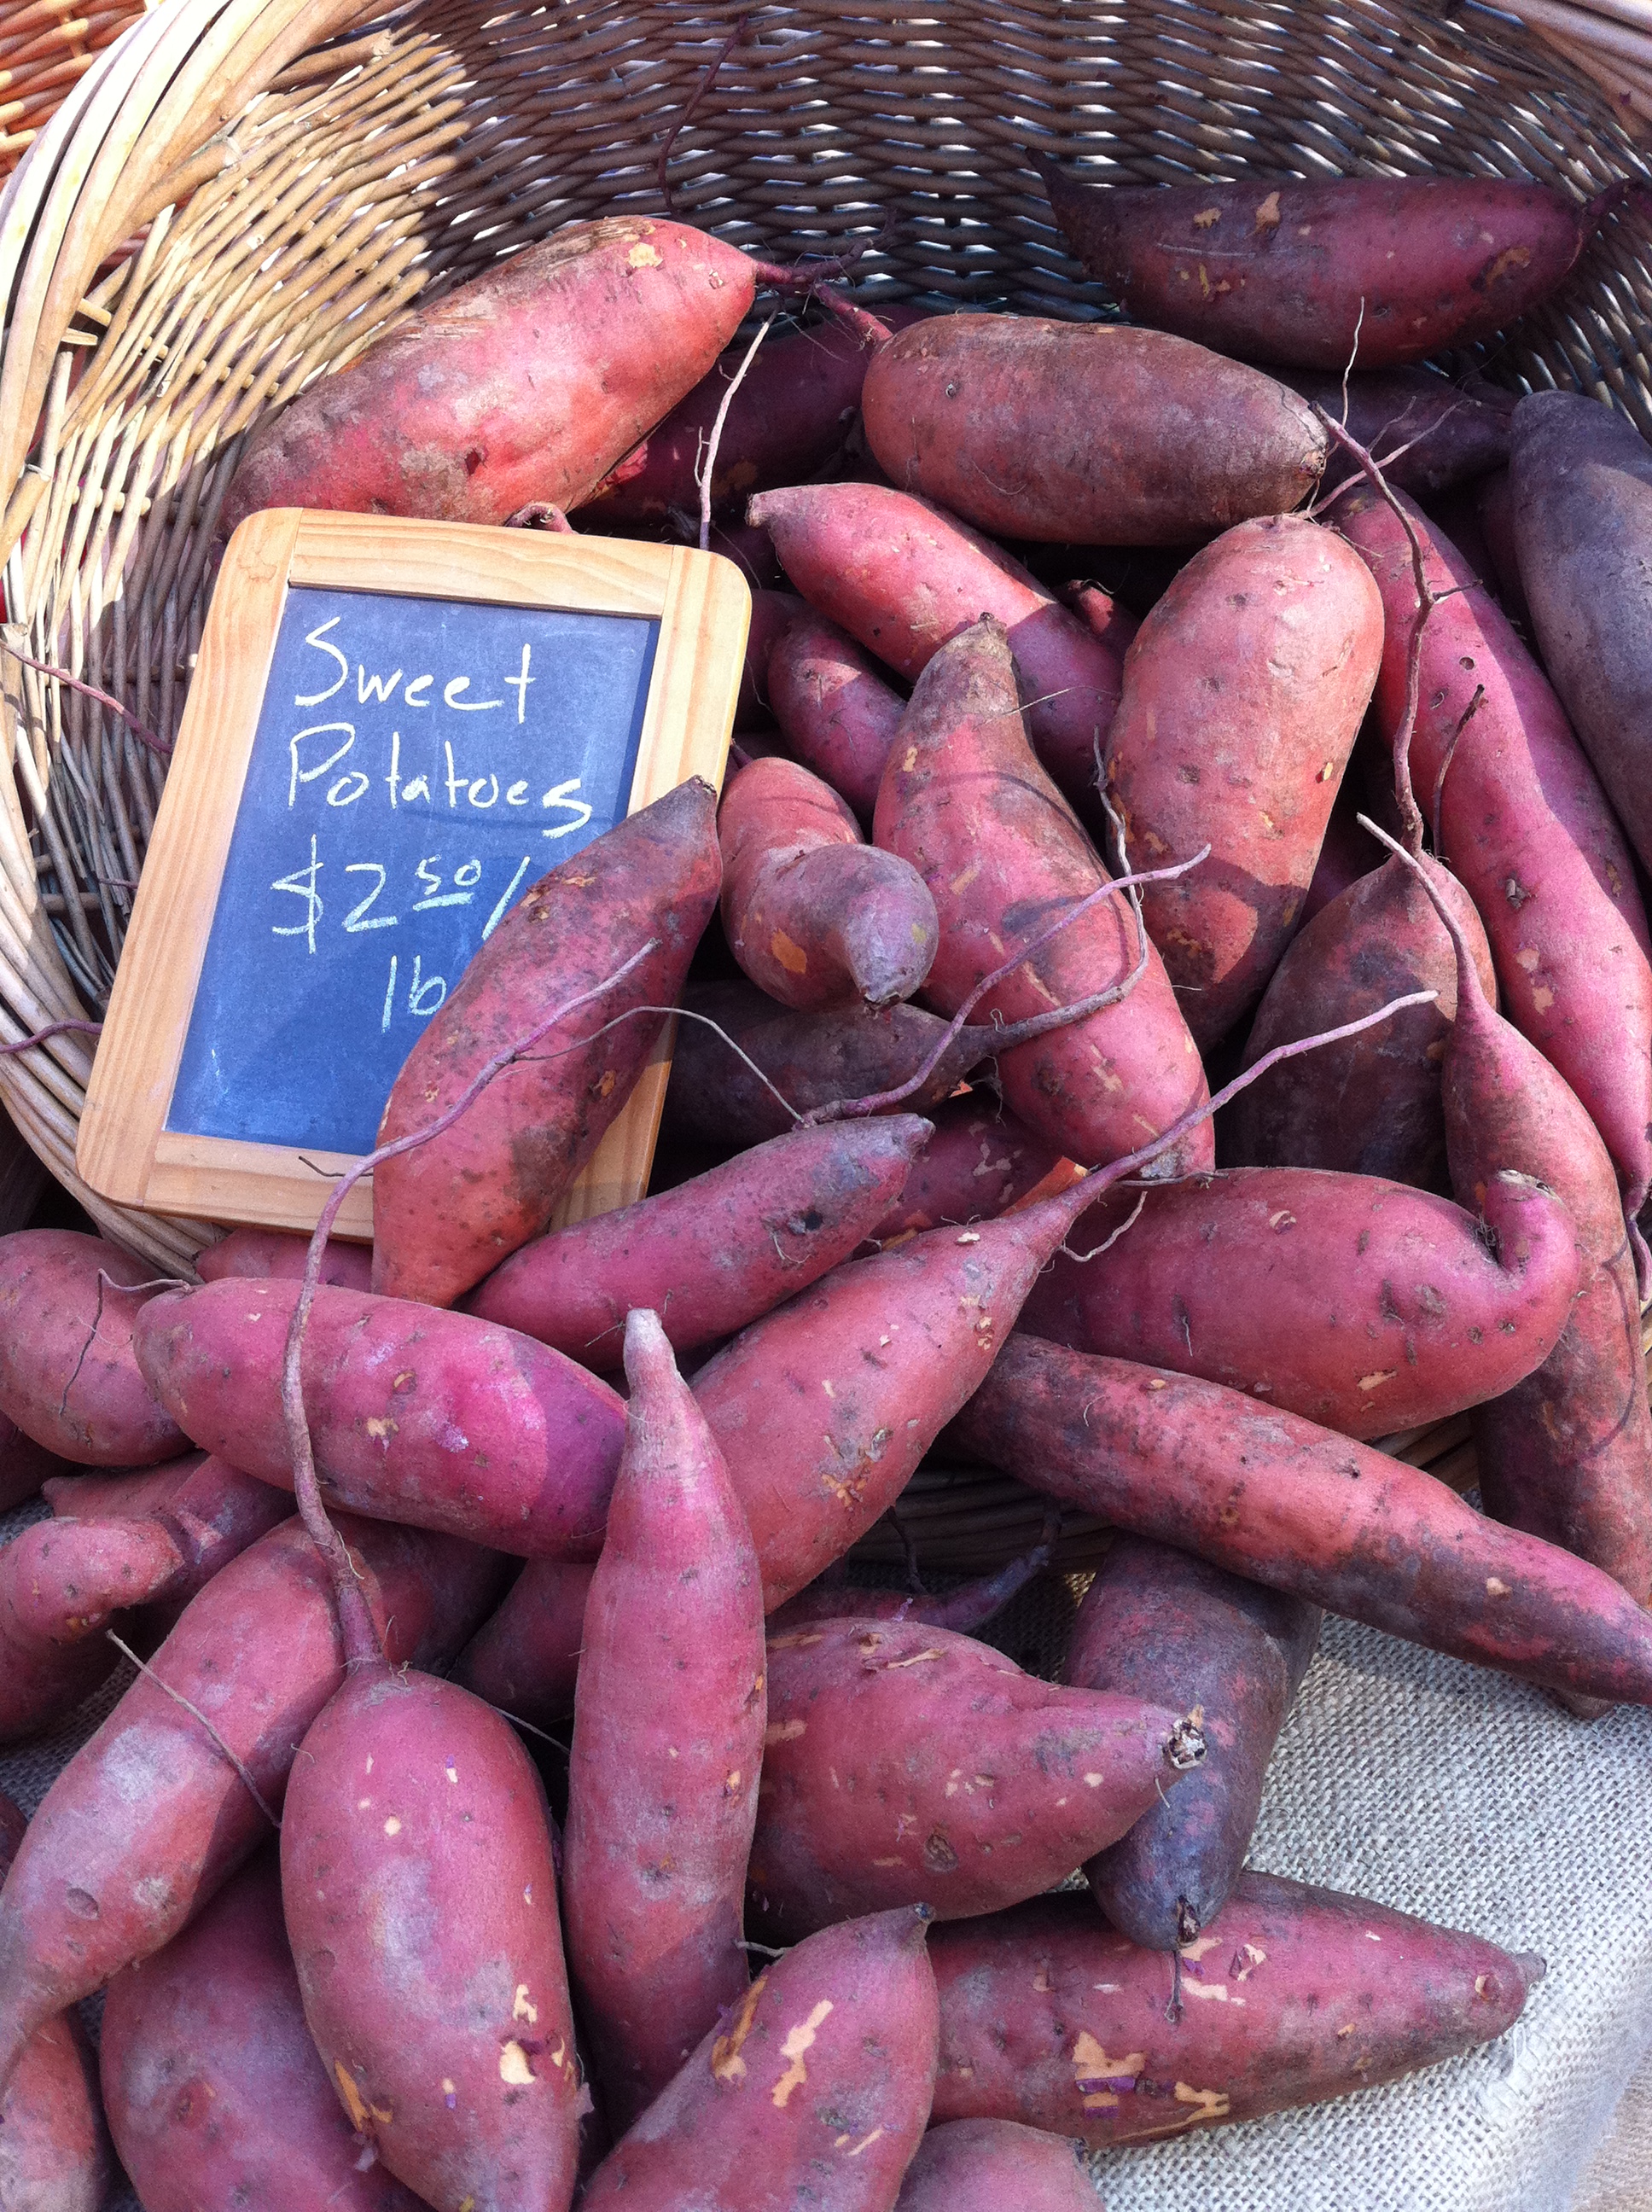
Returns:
<point x="418" y="764"/>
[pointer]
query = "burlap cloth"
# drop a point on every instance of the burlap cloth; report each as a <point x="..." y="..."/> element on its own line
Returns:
<point x="1447" y="1792"/>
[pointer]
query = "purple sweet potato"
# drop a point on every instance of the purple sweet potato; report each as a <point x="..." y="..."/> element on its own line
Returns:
<point x="25" y="1467"/>
<point x="963" y="1609"/>
<point x="1088" y="433"/>
<point x="448" y="1212"/>
<point x="848" y="2018"/>
<point x="437" y="1419"/>
<point x="1527" y="827"/>
<point x="68" y="1377"/>
<point x="1281" y="270"/>
<point x="979" y="1162"/>
<point x="1429" y="434"/>
<point x="525" y="1659"/>
<point x="836" y="708"/>
<point x="1157" y="1624"/>
<point x="148" y="1818"/>
<point x="964" y="800"/>
<point x="987" y="2166"/>
<point x="1244" y="693"/>
<point x="1051" y="2019"/>
<point x="815" y="917"/>
<point x="715" y="1252"/>
<point x="1271" y="1497"/>
<point x="1494" y="517"/>
<point x="217" y="2094"/>
<point x="523" y="387"/>
<point x="904" y="1765"/>
<point x="668" y="1739"/>
<point x="270" y="1254"/>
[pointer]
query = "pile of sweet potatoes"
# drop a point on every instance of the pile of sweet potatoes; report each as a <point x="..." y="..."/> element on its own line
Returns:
<point x="1068" y="1080"/>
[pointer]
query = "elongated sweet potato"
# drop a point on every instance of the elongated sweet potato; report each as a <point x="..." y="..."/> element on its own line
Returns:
<point x="904" y="1765"/>
<point x="715" y="1252"/>
<point x="849" y="2019"/>
<point x="524" y="385"/>
<point x="836" y="709"/>
<point x="148" y="1818"/>
<point x="68" y="1379"/>
<point x="217" y="2094"/>
<point x="964" y="800"/>
<point x="434" y="1419"/>
<point x="984" y="2166"/>
<point x="979" y="1162"/>
<point x="1159" y="1625"/>
<point x="446" y="1213"/>
<point x="815" y="917"/>
<point x="525" y="1659"/>
<point x="1274" y="1498"/>
<point x="1527" y="828"/>
<point x="1050" y="2018"/>
<point x="271" y="1253"/>
<point x="1090" y="433"/>
<point x="1429" y="434"/>
<point x="1244" y="693"/>
<point x="1277" y="268"/>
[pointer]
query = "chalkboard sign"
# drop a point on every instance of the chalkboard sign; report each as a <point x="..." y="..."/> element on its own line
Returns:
<point x="393" y="731"/>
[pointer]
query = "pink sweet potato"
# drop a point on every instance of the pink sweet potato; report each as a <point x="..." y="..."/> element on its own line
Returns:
<point x="836" y="706"/>
<point x="273" y="1252"/>
<point x="849" y="2019"/>
<point x="1087" y="433"/>
<point x="813" y="915"/>
<point x="523" y="387"/>
<point x="668" y="1739"/>
<point x="434" y="1419"/>
<point x="1050" y="2019"/>
<point x="1428" y="433"/>
<point x="1244" y="693"/>
<point x="217" y="2096"/>
<point x="148" y="1818"/>
<point x="979" y="1162"/>
<point x="68" y="1379"/>
<point x="1271" y="1497"/>
<point x="715" y="1252"/>
<point x="964" y="800"/>
<point x="525" y="1659"/>
<point x="1363" y="1305"/>
<point x="904" y="1765"/>
<point x="987" y="2166"/>
<point x="1277" y="268"/>
<point x="448" y="1212"/>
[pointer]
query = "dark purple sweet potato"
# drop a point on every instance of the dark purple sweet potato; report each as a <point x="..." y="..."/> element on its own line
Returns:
<point x="448" y="1212"/>
<point x="1494" y="515"/>
<point x="979" y="1162"/>
<point x="67" y="1376"/>
<point x="1157" y="1624"/>
<point x="525" y="1660"/>
<point x="987" y="2166"/>
<point x="26" y="1467"/>
<point x="836" y="708"/>
<point x="217" y="2094"/>
<point x="1428" y="434"/>
<point x="270" y="1254"/>
<point x="1051" y="2019"/>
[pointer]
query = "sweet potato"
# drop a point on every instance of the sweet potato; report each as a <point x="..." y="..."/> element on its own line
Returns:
<point x="215" y="2093"/>
<point x="1370" y="1104"/>
<point x="525" y="1659"/>
<point x="68" y="1379"/>
<point x="836" y="706"/>
<point x="1271" y="1497"/>
<point x="904" y="1765"/>
<point x="813" y="915"/>
<point x="1346" y="855"/>
<point x="1091" y="432"/>
<point x="1280" y="269"/>
<point x="715" y="1252"/>
<point x="1428" y="433"/>
<point x="979" y="1162"/>
<point x="1580" y="482"/>
<point x="902" y="577"/>
<point x="523" y="387"/>
<point x="1244" y="693"/>
<point x="963" y="1609"/>
<point x="773" y="614"/>
<point x="1527" y="827"/>
<point x="668" y="1738"/>
<point x="847" y="2018"/>
<point x="448" y="1212"/>
<point x="1050" y="2018"/>
<point x="1494" y="515"/>
<point x="964" y="800"/>
<point x="985" y="2166"/>
<point x="434" y="1419"/>
<point x="148" y="1818"/>
<point x="1156" y="1624"/>
<point x="273" y="1252"/>
<point x="1106" y="617"/>
<point x="26" y="1467"/>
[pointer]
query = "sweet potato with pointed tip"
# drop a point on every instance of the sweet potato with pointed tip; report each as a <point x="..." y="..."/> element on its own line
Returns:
<point x="523" y="387"/>
<point x="815" y="2092"/>
<point x="272" y="1253"/>
<point x="813" y="916"/>
<point x="435" y="1419"/>
<point x="713" y="1253"/>
<point x="979" y="1162"/>
<point x="448" y="1212"/>
<point x="1428" y="434"/>
<point x="1244" y="693"/>
<point x="1090" y="433"/>
<point x="1051" y="2019"/>
<point x="1280" y="269"/>
<point x="67" y="1376"/>
<point x="215" y="2093"/>
<point x="964" y="800"/>
<point x="836" y="708"/>
<point x="985" y="2166"/>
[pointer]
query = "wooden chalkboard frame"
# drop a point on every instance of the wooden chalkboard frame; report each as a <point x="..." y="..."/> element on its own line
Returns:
<point x="701" y="602"/>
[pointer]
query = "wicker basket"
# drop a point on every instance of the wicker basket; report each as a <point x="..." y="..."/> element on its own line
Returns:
<point x="46" y="47"/>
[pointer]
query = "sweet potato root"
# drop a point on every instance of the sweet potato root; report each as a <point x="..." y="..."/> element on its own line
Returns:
<point x="68" y="1377"/>
<point x="836" y="706"/>
<point x="984" y="2166"/>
